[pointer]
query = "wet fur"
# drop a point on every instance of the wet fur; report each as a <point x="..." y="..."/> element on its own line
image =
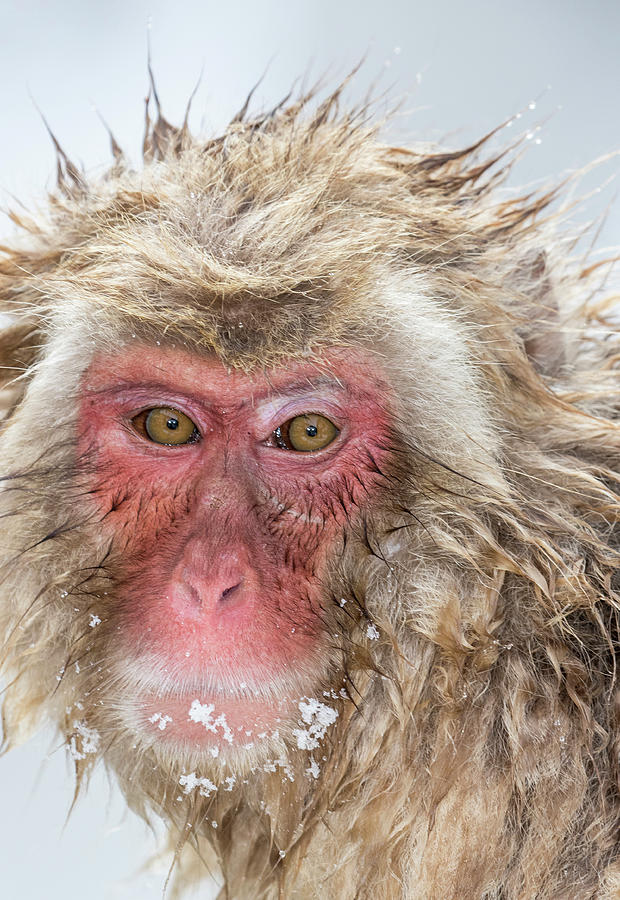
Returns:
<point x="477" y="751"/>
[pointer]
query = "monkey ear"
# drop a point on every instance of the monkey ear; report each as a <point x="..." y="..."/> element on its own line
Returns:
<point x="538" y="314"/>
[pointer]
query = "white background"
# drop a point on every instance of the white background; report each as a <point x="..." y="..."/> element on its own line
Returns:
<point x="464" y="66"/>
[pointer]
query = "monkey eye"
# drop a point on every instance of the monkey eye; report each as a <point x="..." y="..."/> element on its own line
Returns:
<point x="305" y="433"/>
<point x="165" y="425"/>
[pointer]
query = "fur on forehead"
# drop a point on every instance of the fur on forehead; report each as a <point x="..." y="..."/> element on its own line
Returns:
<point x="265" y="242"/>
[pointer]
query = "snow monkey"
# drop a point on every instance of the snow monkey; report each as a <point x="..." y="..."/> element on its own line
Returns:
<point x="309" y="511"/>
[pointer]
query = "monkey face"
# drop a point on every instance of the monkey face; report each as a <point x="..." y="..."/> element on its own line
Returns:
<point x="226" y="494"/>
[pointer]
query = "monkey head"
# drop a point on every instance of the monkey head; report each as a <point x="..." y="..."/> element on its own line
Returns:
<point x="296" y="532"/>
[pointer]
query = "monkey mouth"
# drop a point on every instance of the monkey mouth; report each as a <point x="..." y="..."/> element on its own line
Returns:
<point x="212" y="712"/>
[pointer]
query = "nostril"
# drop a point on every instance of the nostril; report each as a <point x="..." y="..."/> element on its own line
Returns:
<point x="229" y="591"/>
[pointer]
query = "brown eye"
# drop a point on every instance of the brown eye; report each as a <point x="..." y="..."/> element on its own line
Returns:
<point x="306" y="433"/>
<point x="165" y="425"/>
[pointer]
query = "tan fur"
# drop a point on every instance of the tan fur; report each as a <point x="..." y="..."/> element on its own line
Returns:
<point x="476" y="753"/>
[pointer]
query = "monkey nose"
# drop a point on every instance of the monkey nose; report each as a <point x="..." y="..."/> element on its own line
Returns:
<point x="207" y="593"/>
<point x="228" y="592"/>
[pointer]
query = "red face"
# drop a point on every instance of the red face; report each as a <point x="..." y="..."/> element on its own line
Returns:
<point x="227" y="495"/>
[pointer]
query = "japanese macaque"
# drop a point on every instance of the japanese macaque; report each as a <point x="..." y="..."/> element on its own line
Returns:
<point x="309" y="511"/>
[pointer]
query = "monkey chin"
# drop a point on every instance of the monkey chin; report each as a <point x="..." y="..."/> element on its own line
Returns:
<point x="210" y="724"/>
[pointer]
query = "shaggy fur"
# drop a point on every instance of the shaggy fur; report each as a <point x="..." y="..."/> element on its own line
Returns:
<point x="476" y="751"/>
